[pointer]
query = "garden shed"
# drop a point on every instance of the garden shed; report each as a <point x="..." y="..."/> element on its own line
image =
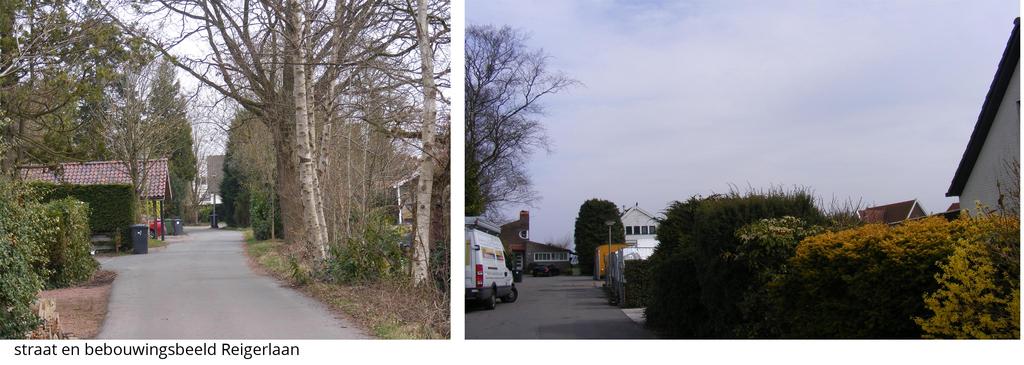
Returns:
<point x="155" y="190"/>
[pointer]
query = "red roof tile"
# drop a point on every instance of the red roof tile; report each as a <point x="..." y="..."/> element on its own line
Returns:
<point x="101" y="172"/>
<point x="892" y="213"/>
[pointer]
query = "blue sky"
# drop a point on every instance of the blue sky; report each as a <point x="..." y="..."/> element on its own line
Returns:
<point x="872" y="101"/>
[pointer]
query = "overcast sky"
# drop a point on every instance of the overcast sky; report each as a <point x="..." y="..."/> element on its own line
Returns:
<point x="870" y="102"/>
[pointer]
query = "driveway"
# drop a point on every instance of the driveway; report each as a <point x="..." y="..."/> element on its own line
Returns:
<point x="201" y="286"/>
<point x="554" y="307"/>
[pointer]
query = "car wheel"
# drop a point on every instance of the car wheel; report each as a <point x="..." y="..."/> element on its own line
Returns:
<point x="512" y="296"/>
<point x="492" y="300"/>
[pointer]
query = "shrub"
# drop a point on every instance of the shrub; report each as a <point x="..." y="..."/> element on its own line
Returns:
<point x="66" y="243"/>
<point x="637" y="285"/>
<point x="766" y="246"/>
<point x="440" y="267"/>
<point x="204" y="213"/>
<point x="18" y="282"/>
<point x="261" y="214"/>
<point x="865" y="282"/>
<point x="377" y="255"/>
<point x="702" y="233"/>
<point x="112" y="208"/>
<point x="979" y="286"/>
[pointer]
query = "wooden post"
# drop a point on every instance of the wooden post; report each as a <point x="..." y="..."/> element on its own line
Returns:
<point x="161" y="225"/>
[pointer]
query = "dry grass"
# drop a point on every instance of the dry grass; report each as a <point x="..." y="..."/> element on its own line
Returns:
<point x="83" y="308"/>
<point x="389" y="310"/>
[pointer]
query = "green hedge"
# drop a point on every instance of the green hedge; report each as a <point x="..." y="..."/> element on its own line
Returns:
<point x="112" y="207"/>
<point x="65" y="238"/>
<point x="41" y="245"/>
<point x="18" y="282"/>
<point x="700" y="284"/>
<point x="637" y="285"/>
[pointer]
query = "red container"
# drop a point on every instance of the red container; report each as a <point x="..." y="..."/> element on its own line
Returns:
<point x="156" y="226"/>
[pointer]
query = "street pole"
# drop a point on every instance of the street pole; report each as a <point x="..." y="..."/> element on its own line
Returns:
<point x="608" y="223"/>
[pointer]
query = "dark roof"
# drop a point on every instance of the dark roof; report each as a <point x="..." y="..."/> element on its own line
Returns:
<point x="1007" y="65"/>
<point x="101" y="172"/>
<point x="892" y="213"/>
<point x="553" y="247"/>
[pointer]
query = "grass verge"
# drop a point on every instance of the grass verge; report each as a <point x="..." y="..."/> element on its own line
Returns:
<point x="388" y="310"/>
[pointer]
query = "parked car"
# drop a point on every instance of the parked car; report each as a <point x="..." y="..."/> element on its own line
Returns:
<point x="156" y="228"/>
<point x="545" y="270"/>
<point x="487" y="275"/>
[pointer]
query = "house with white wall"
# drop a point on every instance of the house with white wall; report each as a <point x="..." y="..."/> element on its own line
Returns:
<point x="989" y="171"/>
<point x="641" y="227"/>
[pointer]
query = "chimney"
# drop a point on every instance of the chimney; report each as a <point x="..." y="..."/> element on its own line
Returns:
<point x="524" y="217"/>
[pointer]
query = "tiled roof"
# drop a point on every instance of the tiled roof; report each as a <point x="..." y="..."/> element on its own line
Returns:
<point x="101" y="172"/>
<point x="891" y="213"/>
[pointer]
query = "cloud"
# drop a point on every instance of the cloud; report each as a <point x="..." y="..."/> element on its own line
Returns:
<point x="862" y="100"/>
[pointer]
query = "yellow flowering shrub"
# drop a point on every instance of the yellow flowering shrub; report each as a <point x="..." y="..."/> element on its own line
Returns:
<point x="864" y="282"/>
<point x="979" y="293"/>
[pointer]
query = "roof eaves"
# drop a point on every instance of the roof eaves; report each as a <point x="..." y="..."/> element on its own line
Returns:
<point x="1001" y="80"/>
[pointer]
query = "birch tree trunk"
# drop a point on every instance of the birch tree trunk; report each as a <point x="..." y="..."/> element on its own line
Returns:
<point x="307" y="173"/>
<point x="424" y="187"/>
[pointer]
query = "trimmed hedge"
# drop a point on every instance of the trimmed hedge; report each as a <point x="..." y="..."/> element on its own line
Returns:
<point x="865" y="282"/>
<point x="112" y="207"/>
<point x="18" y="282"/>
<point x="637" y="285"/>
<point x="40" y="245"/>
<point x="65" y="238"/>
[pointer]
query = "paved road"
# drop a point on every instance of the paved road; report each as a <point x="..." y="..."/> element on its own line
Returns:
<point x="555" y="307"/>
<point x="202" y="287"/>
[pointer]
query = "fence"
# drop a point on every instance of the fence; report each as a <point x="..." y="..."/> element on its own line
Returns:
<point x="615" y="280"/>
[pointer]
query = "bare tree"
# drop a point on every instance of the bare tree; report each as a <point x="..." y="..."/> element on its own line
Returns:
<point x="505" y="81"/>
<point x="137" y="124"/>
<point x="425" y="184"/>
<point x="562" y="242"/>
<point x="261" y="54"/>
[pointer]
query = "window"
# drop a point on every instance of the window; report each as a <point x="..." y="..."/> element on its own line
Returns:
<point x="524" y="234"/>
<point x="653" y="230"/>
<point x="550" y="256"/>
<point x="636" y="229"/>
<point x="629" y="229"/>
<point x="489" y="254"/>
<point x="500" y="255"/>
<point x="643" y="230"/>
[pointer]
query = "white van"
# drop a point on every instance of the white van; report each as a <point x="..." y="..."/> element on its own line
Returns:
<point x="487" y="276"/>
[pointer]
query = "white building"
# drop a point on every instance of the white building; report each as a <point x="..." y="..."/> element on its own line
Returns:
<point x="641" y="227"/>
<point x="989" y="172"/>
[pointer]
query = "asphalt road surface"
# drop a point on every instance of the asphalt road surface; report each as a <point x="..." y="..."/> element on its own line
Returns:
<point x="563" y="307"/>
<point x="202" y="287"/>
